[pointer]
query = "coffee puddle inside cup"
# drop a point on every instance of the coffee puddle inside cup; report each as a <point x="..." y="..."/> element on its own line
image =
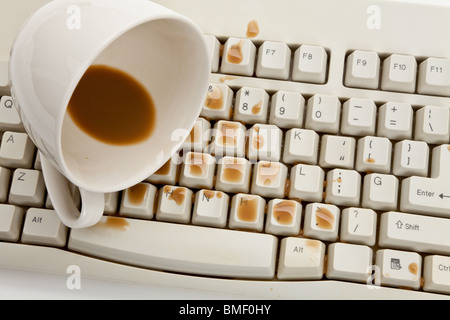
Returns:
<point x="113" y="107"/>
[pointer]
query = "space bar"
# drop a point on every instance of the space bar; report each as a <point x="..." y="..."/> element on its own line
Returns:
<point x="179" y="248"/>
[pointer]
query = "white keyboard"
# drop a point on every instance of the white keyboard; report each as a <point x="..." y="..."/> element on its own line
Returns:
<point x="319" y="167"/>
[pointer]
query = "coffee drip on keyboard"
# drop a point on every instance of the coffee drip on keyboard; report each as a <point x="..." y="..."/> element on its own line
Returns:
<point x="175" y="194"/>
<point x="324" y="218"/>
<point x="137" y="193"/>
<point x="247" y="209"/>
<point x="284" y="212"/>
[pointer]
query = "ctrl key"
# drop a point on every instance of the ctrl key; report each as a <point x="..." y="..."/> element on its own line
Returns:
<point x="44" y="227"/>
<point x="436" y="271"/>
<point x="10" y="222"/>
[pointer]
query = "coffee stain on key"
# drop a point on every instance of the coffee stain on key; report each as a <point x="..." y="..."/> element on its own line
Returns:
<point x="117" y="223"/>
<point x="235" y="54"/>
<point x="197" y="164"/>
<point x="313" y="244"/>
<point x="247" y="209"/>
<point x="214" y="99"/>
<point x="196" y="133"/>
<point x="233" y="171"/>
<point x="165" y="169"/>
<point x="136" y="193"/>
<point x="258" y="139"/>
<point x="209" y="194"/>
<point x="268" y="173"/>
<point x="413" y="268"/>
<point x="228" y="132"/>
<point x="177" y="194"/>
<point x="324" y="218"/>
<point x="284" y="212"/>
<point x="257" y="108"/>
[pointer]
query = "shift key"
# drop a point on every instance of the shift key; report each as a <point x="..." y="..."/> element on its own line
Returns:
<point x="415" y="232"/>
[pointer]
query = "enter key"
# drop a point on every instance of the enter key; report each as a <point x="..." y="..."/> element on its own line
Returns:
<point x="430" y="196"/>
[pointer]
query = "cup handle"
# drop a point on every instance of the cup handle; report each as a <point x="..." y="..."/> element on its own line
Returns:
<point x="92" y="203"/>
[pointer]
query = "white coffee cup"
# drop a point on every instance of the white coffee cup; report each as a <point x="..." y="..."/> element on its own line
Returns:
<point x="161" y="49"/>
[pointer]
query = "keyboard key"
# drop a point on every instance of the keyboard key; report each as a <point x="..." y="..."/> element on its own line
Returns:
<point x="429" y="195"/>
<point x="210" y="208"/>
<point x="217" y="103"/>
<point x="229" y="139"/>
<point x="10" y="222"/>
<point x="16" y="150"/>
<point x="395" y="120"/>
<point x="287" y="109"/>
<point x="43" y="227"/>
<point x="358" y="117"/>
<point x="434" y="77"/>
<point x="343" y="187"/>
<point x="432" y="125"/>
<point x="199" y="136"/>
<point x="415" y="232"/>
<point x="174" y="204"/>
<point x="363" y="70"/>
<point x="198" y="170"/>
<point x="5" y="176"/>
<point x="410" y="158"/>
<point x="269" y="179"/>
<point x="351" y="262"/>
<point x="238" y="57"/>
<point x="321" y="221"/>
<point x="236" y="254"/>
<point x="139" y="201"/>
<point x="399" y="268"/>
<point x="213" y="46"/>
<point x="358" y="225"/>
<point x="37" y="162"/>
<point x="337" y="151"/>
<point x="306" y="183"/>
<point x="283" y="217"/>
<point x="247" y="212"/>
<point x="399" y="73"/>
<point x="27" y="188"/>
<point x="310" y="64"/>
<point x="9" y="117"/>
<point x="233" y="175"/>
<point x="74" y="192"/>
<point x="301" y="145"/>
<point x="167" y="174"/>
<point x="264" y="142"/>
<point x="436" y="275"/>
<point x="251" y="105"/>
<point x="111" y="202"/>
<point x="374" y="154"/>
<point x="380" y="191"/>
<point x="323" y="113"/>
<point x="301" y="259"/>
<point x="274" y="59"/>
